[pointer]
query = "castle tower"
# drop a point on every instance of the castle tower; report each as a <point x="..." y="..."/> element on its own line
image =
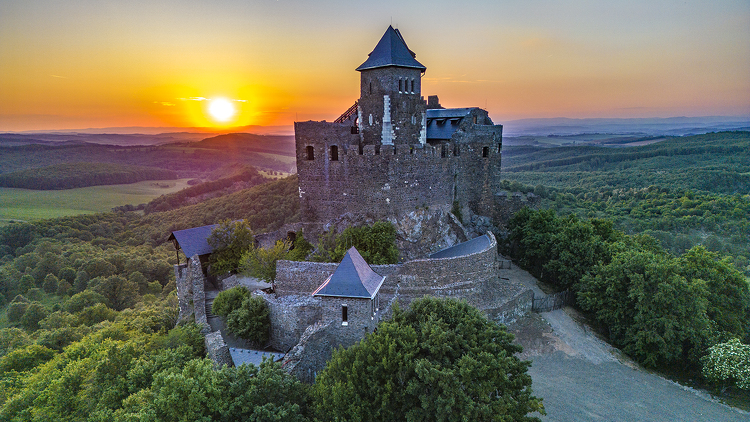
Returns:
<point x="391" y="109"/>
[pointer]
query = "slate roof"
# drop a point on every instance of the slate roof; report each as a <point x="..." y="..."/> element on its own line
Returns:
<point x="352" y="278"/>
<point x="391" y="51"/>
<point x="442" y="122"/>
<point x="194" y="241"/>
<point x="478" y="244"/>
<point x="240" y="356"/>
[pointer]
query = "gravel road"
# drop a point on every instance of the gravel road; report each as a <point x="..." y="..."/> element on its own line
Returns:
<point x="582" y="378"/>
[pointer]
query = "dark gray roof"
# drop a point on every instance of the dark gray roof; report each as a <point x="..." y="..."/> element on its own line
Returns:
<point x="442" y="122"/>
<point x="352" y="278"/>
<point x="391" y="51"/>
<point x="194" y="241"/>
<point x="478" y="244"/>
<point x="240" y="356"/>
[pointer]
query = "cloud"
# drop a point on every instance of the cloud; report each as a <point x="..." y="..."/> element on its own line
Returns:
<point x="165" y="103"/>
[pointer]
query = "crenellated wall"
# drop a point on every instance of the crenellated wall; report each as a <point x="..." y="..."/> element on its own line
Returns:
<point x="379" y="181"/>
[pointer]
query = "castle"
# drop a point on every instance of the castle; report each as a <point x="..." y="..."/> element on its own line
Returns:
<point x="392" y="151"/>
<point x="392" y="156"/>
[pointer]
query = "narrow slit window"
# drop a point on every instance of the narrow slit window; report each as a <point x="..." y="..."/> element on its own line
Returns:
<point x="499" y="148"/>
<point x="344" y="315"/>
<point x="485" y="152"/>
<point x="394" y="150"/>
<point x="310" y="153"/>
<point x="455" y="150"/>
<point x="370" y="87"/>
<point x="334" y="153"/>
<point x="412" y="86"/>
<point x="361" y="150"/>
<point x="377" y="149"/>
<point x="400" y="85"/>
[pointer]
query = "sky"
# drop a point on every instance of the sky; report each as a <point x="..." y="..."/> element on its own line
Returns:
<point x="74" y="64"/>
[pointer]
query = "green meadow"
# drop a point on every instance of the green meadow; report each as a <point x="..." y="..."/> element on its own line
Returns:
<point x="26" y="204"/>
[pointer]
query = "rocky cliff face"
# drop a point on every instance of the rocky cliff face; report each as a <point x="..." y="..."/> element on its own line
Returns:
<point x="427" y="230"/>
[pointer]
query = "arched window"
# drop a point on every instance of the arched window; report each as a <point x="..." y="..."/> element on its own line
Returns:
<point x="334" y="153"/>
<point x="310" y="153"/>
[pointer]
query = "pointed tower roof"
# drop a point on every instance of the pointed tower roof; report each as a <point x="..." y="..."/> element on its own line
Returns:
<point x="391" y="51"/>
<point x="352" y="278"/>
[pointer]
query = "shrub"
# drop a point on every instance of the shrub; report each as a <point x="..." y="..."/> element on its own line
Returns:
<point x="728" y="362"/>
<point x="250" y="321"/>
<point x="229" y="240"/>
<point x="84" y="299"/>
<point x="229" y="300"/>
<point x="35" y="312"/>
<point x="26" y="358"/>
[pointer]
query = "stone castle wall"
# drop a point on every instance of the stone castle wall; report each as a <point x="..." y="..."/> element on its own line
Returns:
<point x="379" y="181"/>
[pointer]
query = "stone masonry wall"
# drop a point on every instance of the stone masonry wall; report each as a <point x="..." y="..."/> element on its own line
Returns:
<point x="290" y="316"/>
<point x="380" y="181"/>
<point x="184" y="292"/>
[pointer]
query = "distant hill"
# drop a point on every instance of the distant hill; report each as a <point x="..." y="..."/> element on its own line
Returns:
<point x="714" y="162"/>
<point x="250" y="142"/>
<point x="78" y="175"/>
<point x="671" y="126"/>
<point x="237" y="177"/>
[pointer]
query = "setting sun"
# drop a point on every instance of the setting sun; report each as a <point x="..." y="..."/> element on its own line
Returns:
<point x="221" y="110"/>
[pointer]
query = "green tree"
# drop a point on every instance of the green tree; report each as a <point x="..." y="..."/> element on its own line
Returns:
<point x="25" y="358"/>
<point x="251" y="320"/>
<point x="261" y="263"/>
<point x="229" y="300"/>
<point x="35" y="312"/>
<point x="119" y="291"/>
<point x="197" y="392"/>
<point x="441" y="360"/>
<point x="229" y="240"/>
<point x="81" y="300"/>
<point x="81" y="282"/>
<point x="376" y="243"/>
<point x="728" y="363"/>
<point x="650" y="310"/>
<point x="50" y="284"/>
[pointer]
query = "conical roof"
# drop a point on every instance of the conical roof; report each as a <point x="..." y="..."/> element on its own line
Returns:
<point x="352" y="278"/>
<point x="391" y="51"/>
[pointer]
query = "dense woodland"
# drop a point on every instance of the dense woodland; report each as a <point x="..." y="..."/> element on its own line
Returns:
<point x="78" y="175"/>
<point x="87" y="303"/>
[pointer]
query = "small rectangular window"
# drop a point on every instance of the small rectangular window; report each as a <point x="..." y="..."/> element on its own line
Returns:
<point x="412" y="86"/>
<point x="377" y="149"/>
<point x="334" y="153"/>
<point x="499" y="148"/>
<point x="400" y="85"/>
<point x="310" y="153"/>
<point x="344" y="315"/>
<point x="485" y="152"/>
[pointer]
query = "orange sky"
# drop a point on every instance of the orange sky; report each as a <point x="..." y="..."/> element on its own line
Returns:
<point x="94" y="63"/>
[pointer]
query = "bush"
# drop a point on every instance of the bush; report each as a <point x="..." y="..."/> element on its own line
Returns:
<point x="729" y="363"/>
<point x="229" y="300"/>
<point x="250" y="321"/>
<point x="95" y="314"/>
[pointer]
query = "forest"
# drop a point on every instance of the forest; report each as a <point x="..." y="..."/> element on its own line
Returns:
<point x="69" y="176"/>
<point x="88" y="309"/>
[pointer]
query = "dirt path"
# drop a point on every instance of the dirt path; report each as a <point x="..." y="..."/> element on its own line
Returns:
<point x="582" y="378"/>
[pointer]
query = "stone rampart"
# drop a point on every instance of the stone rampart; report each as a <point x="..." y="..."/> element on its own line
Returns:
<point x="337" y="175"/>
<point x="290" y="316"/>
<point x="217" y="350"/>
<point x="184" y="292"/>
<point x="506" y="204"/>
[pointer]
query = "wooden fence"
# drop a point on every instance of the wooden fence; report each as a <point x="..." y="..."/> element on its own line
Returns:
<point x="551" y="302"/>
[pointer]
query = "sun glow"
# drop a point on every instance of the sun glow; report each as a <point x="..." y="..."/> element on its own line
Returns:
<point x="221" y="110"/>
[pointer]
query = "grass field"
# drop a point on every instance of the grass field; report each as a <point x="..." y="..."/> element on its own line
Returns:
<point x="25" y="204"/>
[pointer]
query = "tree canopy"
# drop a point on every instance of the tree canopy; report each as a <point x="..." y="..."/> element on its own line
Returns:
<point x="441" y="360"/>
